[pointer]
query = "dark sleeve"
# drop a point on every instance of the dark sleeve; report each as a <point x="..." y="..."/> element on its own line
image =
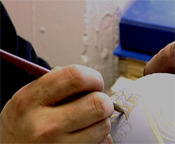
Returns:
<point x="12" y="77"/>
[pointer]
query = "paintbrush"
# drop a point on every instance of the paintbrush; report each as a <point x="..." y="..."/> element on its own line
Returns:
<point x="23" y="64"/>
<point x="35" y="69"/>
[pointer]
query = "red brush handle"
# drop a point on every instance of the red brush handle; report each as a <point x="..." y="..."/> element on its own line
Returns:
<point x="23" y="64"/>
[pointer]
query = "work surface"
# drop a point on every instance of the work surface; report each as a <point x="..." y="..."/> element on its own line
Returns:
<point x="150" y="102"/>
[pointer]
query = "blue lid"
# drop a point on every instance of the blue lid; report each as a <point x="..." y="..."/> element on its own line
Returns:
<point x="152" y="12"/>
<point x="119" y="51"/>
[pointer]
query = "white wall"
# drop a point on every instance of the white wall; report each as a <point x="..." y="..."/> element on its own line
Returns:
<point x="66" y="32"/>
<point x="102" y="35"/>
<point x="54" y="27"/>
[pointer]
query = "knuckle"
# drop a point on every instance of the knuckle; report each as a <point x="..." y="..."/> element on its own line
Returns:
<point x="99" y="106"/>
<point x="49" y="131"/>
<point x="107" y="126"/>
<point x="171" y="45"/>
<point x="162" y="52"/>
<point x="25" y="98"/>
<point x="46" y="128"/>
<point x="167" y="55"/>
<point x="167" y="50"/>
<point x="107" y="140"/>
<point x="74" y="76"/>
<point x="19" y="104"/>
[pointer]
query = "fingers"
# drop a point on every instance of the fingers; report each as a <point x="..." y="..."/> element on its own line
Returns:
<point x="97" y="133"/>
<point x="70" y="81"/>
<point x="85" y="120"/>
<point x="83" y="112"/>
<point x="107" y="140"/>
<point x="163" y="61"/>
<point x="61" y="83"/>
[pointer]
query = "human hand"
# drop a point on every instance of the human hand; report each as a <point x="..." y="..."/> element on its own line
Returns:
<point x="163" y="62"/>
<point x="34" y="113"/>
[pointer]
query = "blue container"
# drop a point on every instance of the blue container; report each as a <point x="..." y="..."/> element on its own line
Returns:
<point x="148" y="26"/>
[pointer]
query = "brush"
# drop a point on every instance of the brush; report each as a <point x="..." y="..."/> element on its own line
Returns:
<point x="36" y="69"/>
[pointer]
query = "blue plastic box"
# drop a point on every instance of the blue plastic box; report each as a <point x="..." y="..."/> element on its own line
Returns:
<point x="119" y="51"/>
<point x="148" y="26"/>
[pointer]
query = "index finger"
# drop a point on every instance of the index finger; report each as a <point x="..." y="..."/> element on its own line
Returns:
<point x="61" y="83"/>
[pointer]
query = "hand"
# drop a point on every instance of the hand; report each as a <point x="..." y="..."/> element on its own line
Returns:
<point x="35" y="115"/>
<point x="163" y="62"/>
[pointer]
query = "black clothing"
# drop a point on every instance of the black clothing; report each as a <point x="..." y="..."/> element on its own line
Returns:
<point x="13" y="78"/>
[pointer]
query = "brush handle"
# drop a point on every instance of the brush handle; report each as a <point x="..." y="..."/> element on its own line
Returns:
<point x="23" y="64"/>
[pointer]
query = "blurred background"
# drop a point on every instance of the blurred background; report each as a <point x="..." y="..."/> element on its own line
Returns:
<point x="115" y="37"/>
<point x="67" y="32"/>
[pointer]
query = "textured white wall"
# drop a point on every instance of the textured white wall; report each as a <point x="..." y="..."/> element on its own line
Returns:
<point x="100" y="38"/>
<point x="68" y="32"/>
